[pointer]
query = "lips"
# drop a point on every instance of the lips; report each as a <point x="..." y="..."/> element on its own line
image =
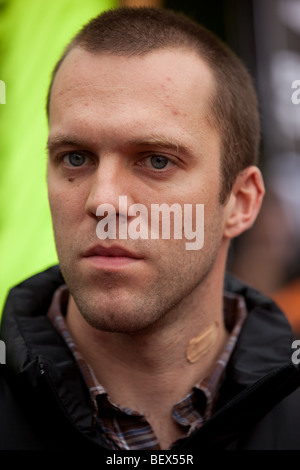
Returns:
<point x="110" y="252"/>
<point x="110" y="259"/>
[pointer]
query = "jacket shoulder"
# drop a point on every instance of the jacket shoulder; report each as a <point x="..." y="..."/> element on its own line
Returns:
<point x="277" y="430"/>
<point x="16" y="432"/>
<point x="38" y="288"/>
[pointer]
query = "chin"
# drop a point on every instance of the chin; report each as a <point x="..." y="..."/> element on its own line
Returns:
<point x="117" y="325"/>
<point x="112" y="318"/>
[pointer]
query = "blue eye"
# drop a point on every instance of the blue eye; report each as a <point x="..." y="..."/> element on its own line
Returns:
<point x="159" y="162"/>
<point x="75" y="159"/>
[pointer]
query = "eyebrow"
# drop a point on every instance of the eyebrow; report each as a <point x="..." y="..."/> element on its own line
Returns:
<point x="156" y="140"/>
<point x="159" y="141"/>
<point x="63" y="140"/>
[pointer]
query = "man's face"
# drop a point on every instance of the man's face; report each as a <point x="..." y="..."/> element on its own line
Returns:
<point x="135" y="127"/>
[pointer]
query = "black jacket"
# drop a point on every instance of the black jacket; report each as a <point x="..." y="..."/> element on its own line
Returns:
<point x="44" y="403"/>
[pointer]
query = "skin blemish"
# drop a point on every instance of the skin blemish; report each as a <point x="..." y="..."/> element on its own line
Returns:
<point x="175" y="112"/>
<point x="71" y="179"/>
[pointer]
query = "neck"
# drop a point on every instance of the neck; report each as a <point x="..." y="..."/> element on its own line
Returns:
<point x="151" y="370"/>
<point x="166" y="360"/>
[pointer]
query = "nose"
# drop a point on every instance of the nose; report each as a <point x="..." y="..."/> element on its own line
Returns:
<point x="109" y="182"/>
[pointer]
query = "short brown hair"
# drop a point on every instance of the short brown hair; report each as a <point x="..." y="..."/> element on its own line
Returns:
<point x="234" y="108"/>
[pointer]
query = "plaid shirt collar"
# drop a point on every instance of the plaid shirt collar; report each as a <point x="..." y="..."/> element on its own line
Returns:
<point x="126" y="429"/>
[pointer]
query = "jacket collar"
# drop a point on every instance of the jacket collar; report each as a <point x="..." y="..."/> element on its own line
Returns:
<point x="265" y="340"/>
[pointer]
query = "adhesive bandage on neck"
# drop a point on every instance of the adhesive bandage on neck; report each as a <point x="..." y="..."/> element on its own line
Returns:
<point x="201" y="343"/>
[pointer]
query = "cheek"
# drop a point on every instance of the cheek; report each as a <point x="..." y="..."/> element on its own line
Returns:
<point x="67" y="203"/>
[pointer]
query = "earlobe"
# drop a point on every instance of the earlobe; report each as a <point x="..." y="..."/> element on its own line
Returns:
<point x="244" y="202"/>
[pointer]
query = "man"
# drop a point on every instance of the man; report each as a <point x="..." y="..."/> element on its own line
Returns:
<point x="133" y="343"/>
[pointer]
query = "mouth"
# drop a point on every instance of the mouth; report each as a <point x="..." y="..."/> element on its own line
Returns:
<point x="110" y="257"/>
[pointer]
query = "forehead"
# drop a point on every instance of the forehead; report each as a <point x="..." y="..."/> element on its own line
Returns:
<point x="169" y="90"/>
<point x="171" y="70"/>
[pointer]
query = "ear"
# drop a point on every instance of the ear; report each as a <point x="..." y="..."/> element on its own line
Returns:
<point x="244" y="202"/>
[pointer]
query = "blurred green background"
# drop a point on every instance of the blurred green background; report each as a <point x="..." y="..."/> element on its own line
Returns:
<point x="33" y="35"/>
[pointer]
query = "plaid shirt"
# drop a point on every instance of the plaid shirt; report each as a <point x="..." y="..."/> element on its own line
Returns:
<point x="126" y="429"/>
